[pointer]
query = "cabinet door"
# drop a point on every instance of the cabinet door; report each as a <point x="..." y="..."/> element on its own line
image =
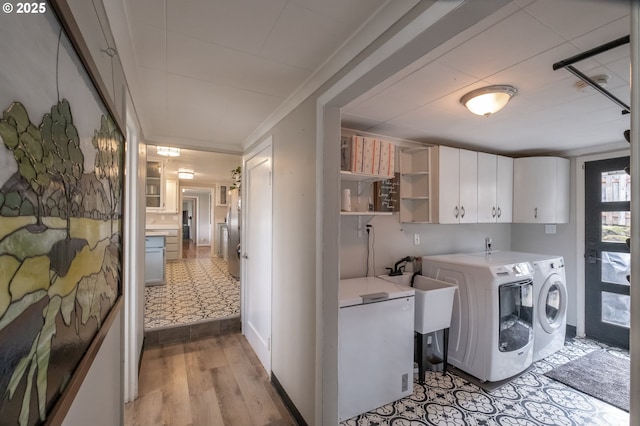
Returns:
<point x="534" y="190"/>
<point x="487" y="188"/>
<point x="468" y="169"/>
<point x="171" y="196"/>
<point x="448" y="185"/>
<point x="154" y="185"/>
<point x="563" y="188"/>
<point x="504" y="189"/>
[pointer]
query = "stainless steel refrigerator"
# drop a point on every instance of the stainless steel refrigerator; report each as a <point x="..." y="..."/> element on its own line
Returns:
<point x="233" y="225"/>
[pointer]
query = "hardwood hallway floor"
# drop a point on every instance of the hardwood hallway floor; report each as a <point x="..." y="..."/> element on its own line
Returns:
<point x="190" y="250"/>
<point x="214" y="381"/>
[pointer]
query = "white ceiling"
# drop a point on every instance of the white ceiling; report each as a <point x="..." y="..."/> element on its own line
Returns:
<point x="209" y="167"/>
<point x="518" y="46"/>
<point x="212" y="71"/>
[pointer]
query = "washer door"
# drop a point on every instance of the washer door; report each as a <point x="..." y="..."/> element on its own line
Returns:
<point x="552" y="304"/>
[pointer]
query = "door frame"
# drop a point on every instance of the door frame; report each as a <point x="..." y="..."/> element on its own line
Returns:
<point x="193" y="231"/>
<point x="259" y="148"/>
<point x="580" y="232"/>
<point x="613" y="334"/>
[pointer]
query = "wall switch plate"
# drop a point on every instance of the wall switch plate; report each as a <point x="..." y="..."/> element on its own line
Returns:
<point x="550" y="229"/>
<point x="416" y="239"/>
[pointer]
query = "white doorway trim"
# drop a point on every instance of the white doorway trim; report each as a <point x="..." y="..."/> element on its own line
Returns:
<point x="421" y="30"/>
<point x="256" y="340"/>
<point x="193" y="229"/>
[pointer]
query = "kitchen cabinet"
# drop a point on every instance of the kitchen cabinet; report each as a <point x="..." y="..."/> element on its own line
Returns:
<point x="541" y="190"/>
<point x="171" y="196"/>
<point x="154" y="260"/>
<point x="172" y="249"/>
<point x="154" y="185"/>
<point x="222" y="195"/>
<point x="495" y="188"/>
<point x="161" y="192"/>
<point x="457" y="185"/>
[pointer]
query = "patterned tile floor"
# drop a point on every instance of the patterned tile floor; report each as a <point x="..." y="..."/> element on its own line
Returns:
<point x="196" y="290"/>
<point x="529" y="400"/>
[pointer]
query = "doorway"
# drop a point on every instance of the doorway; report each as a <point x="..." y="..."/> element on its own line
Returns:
<point x="607" y="255"/>
<point x="257" y="247"/>
<point x="188" y="218"/>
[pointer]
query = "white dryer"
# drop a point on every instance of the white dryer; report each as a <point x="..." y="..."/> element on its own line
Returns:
<point x="491" y="333"/>
<point x="549" y="295"/>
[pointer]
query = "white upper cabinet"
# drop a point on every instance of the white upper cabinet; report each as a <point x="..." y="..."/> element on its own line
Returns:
<point x="171" y="196"/>
<point x="495" y="188"/>
<point x="457" y="185"/>
<point x="541" y="190"/>
<point x="161" y="192"/>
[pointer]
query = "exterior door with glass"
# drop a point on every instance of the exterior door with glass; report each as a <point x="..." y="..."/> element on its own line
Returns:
<point x="607" y="258"/>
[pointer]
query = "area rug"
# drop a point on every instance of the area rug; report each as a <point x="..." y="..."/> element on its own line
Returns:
<point x="599" y="374"/>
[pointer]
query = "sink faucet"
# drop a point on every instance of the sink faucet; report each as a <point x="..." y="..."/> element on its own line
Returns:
<point x="397" y="269"/>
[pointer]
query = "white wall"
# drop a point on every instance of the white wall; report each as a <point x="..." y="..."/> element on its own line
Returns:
<point x="294" y="292"/>
<point x="99" y="399"/>
<point x="531" y="238"/>
<point x="393" y="241"/>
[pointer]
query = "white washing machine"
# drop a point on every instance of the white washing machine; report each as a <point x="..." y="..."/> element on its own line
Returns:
<point x="549" y="295"/>
<point x="491" y="333"/>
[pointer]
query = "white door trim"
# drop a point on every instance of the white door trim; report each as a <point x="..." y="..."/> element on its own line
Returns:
<point x="265" y="145"/>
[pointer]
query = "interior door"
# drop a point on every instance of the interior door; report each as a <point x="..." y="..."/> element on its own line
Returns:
<point x="607" y="258"/>
<point x="257" y="256"/>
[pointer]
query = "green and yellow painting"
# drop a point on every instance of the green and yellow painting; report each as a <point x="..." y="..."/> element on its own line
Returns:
<point x="60" y="253"/>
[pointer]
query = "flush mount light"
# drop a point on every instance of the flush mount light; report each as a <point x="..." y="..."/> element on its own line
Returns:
<point x="168" y="151"/>
<point x="185" y="174"/>
<point x="488" y="100"/>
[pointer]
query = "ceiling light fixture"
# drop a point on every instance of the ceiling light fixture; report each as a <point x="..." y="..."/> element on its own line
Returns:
<point x="168" y="151"/>
<point x="185" y="174"/>
<point x="488" y="100"/>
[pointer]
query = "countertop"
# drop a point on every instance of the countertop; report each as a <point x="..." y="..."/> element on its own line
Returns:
<point x="155" y="226"/>
<point x="156" y="234"/>
<point x="351" y="291"/>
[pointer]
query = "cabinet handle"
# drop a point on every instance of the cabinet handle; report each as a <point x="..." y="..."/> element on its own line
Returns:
<point x="493" y="212"/>
<point x="461" y="211"/>
<point x="499" y="212"/>
<point x="457" y="212"/>
<point x="535" y="213"/>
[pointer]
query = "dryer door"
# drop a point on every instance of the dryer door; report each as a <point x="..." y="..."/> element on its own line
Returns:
<point x="552" y="304"/>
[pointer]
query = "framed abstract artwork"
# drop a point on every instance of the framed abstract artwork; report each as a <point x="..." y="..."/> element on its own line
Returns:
<point x="61" y="204"/>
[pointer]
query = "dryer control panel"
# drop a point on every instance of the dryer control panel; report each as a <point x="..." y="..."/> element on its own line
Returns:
<point x="520" y="269"/>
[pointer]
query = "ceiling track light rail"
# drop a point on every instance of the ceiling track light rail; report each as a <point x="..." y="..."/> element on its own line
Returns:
<point x="568" y="65"/>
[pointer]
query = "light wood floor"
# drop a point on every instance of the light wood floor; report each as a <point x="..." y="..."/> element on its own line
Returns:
<point x="214" y="381"/>
<point x="190" y="250"/>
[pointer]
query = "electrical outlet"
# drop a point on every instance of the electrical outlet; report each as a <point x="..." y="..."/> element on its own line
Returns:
<point x="416" y="239"/>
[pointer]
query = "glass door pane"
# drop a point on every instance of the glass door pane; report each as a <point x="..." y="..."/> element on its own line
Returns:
<point x="607" y="266"/>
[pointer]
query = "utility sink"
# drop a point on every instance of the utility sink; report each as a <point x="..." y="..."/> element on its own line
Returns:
<point x="434" y="301"/>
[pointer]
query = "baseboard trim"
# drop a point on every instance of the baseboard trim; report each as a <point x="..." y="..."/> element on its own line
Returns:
<point x="287" y="401"/>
